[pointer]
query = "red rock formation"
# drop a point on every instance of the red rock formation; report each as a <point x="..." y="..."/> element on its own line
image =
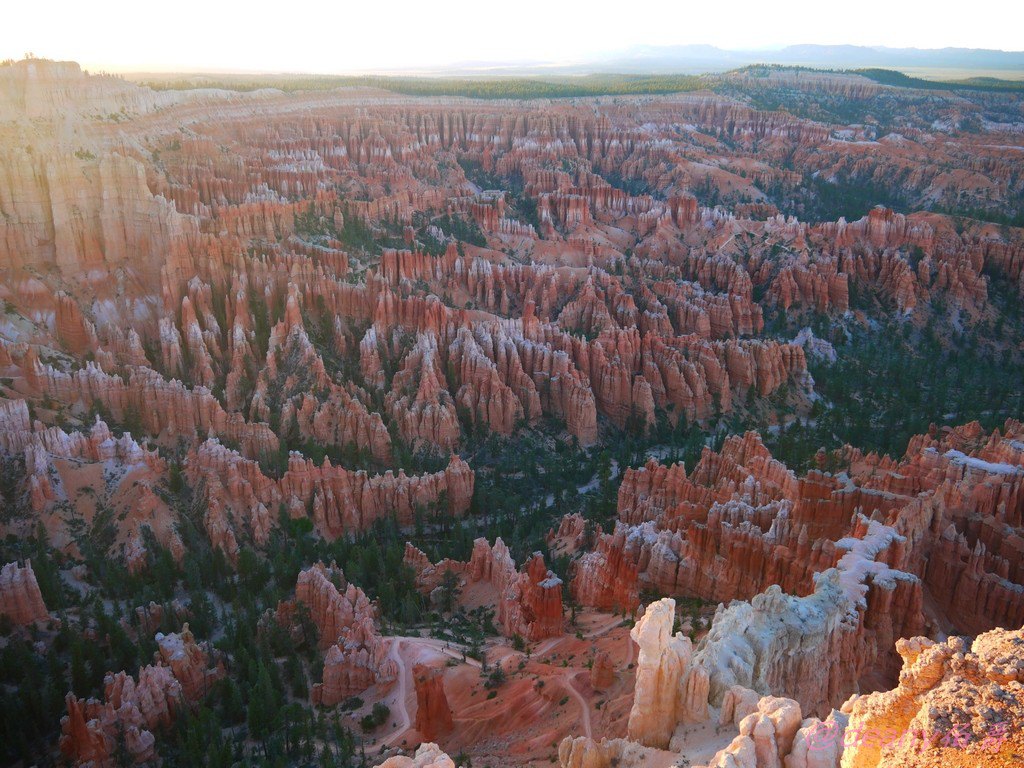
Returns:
<point x="62" y="466"/>
<point x="358" y="660"/>
<point x="166" y="408"/>
<point x="607" y="578"/>
<point x="419" y="400"/>
<point x="20" y="599"/>
<point x="356" y="655"/>
<point x="132" y="709"/>
<point x="538" y="593"/>
<point x="529" y="601"/>
<point x="188" y="663"/>
<point x="602" y="673"/>
<point x="239" y="496"/>
<point x="222" y="265"/>
<point x="433" y="715"/>
<point x="740" y="523"/>
<point x="574" y="534"/>
<point x="343" y="501"/>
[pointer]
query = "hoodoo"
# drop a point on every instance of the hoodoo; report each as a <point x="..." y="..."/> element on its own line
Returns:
<point x="614" y="421"/>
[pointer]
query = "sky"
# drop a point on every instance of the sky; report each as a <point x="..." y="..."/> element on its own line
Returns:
<point x="344" y="36"/>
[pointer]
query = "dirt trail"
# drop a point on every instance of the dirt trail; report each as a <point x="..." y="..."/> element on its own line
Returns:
<point x="441" y="647"/>
<point x="403" y="688"/>
<point x="584" y="707"/>
<point x="546" y="646"/>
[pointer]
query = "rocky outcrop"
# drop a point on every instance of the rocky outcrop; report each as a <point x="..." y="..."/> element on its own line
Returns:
<point x="741" y="527"/>
<point x="533" y="601"/>
<point x="607" y="578"/>
<point x="668" y="689"/>
<point x="355" y="662"/>
<point x="41" y="89"/>
<point x="955" y="700"/>
<point x="86" y="467"/>
<point x="340" y="500"/>
<point x="584" y="752"/>
<point x="21" y="601"/>
<point x="427" y="755"/>
<point x="132" y="709"/>
<point x="529" y="600"/>
<point x="773" y="734"/>
<point x="165" y="408"/>
<point x="433" y="715"/>
<point x="356" y="655"/>
<point x="294" y="383"/>
<point x="602" y="671"/>
<point x="188" y="663"/>
<point x="419" y="400"/>
<point x="803" y="648"/>
<point x="331" y="610"/>
<point x="239" y="496"/>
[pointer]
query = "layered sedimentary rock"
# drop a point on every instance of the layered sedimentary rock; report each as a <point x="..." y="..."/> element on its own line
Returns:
<point x="294" y="383"/>
<point x="188" y="663"/>
<point x="85" y="468"/>
<point x="21" y="601"/>
<point x="239" y="496"/>
<point x="41" y="89"/>
<point x="529" y="600"/>
<point x="165" y="408"/>
<point x="585" y="752"/>
<point x="342" y="501"/>
<point x="896" y="531"/>
<point x="816" y="649"/>
<point x="805" y="648"/>
<point x="669" y="690"/>
<point x="356" y="656"/>
<point x="433" y="715"/>
<point x="133" y="709"/>
<point x="420" y="402"/>
<point x="602" y="673"/>
<point x="218" y="291"/>
<point x="607" y="578"/>
<point x="622" y="307"/>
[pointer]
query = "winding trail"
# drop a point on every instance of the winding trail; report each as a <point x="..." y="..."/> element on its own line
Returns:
<point x="393" y="737"/>
<point x="616" y="622"/>
<point x="584" y="707"/>
<point x="547" y="645"/>
<point x="403" y="689"/>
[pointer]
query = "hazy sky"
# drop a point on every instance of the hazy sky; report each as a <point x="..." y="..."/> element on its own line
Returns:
<point x="340" y="36"/>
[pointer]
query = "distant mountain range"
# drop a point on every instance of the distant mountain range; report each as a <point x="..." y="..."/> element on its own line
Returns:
<point x="708" y="58"/>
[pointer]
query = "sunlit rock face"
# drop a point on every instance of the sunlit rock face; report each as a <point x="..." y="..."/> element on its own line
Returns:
<point x="971" y="689"/>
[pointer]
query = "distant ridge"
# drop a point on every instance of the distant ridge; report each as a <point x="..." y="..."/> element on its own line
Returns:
<point x="684" y="57"/>
<point x="697" y="59"/>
